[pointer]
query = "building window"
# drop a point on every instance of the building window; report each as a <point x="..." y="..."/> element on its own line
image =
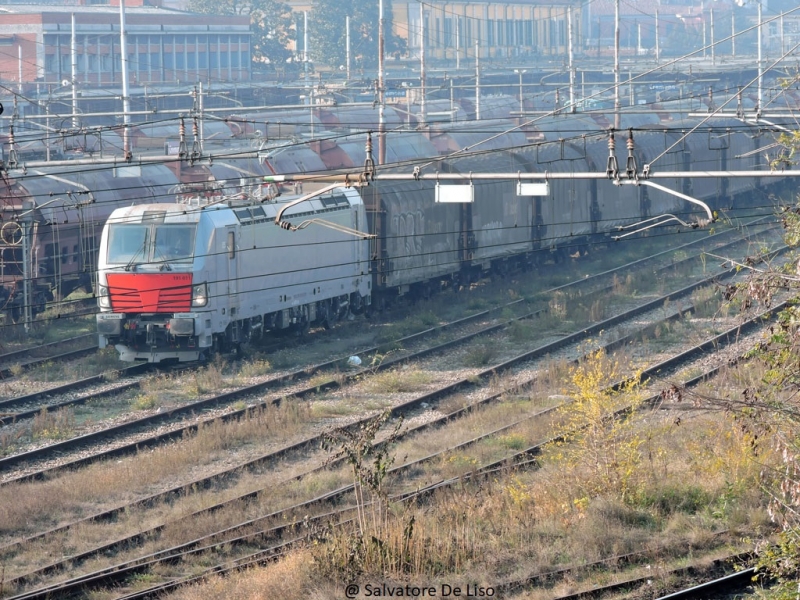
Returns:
<point x="490" y="32"/>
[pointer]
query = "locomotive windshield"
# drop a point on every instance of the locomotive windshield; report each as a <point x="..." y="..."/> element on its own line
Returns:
<point x="173" y="242"/>
<point x="129" y="244"/>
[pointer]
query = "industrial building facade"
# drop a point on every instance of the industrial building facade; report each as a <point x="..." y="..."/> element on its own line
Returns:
<point x="500" y="30"/>
<point x="163" y="46"/>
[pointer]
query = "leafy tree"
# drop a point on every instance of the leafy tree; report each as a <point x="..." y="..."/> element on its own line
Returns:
<point x="271" y="21"/>
<point x="328" y="37"/>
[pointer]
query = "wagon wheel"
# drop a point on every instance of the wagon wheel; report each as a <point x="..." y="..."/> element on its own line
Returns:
<point x="11" y="233"/>
<point x="326" y="321"/>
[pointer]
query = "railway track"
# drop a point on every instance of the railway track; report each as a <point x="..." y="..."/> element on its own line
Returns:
<point x="276" y="534"/>
<point x="29" y="405"/>
<point x="523" y="459"/>
<point x="289" y="379"/>
<point x="737" y="575"/>
<point x="431" y="398"/>
<point x="29" y="358"/>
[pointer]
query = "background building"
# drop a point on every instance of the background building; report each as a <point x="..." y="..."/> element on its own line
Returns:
<point x="501" y="30"/>
<point x="164" y="45"/>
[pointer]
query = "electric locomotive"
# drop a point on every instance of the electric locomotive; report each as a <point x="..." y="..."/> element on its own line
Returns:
<point x="181" y="281"/>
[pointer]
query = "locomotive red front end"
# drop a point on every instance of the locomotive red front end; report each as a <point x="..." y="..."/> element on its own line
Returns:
<point x="148" y="292"/>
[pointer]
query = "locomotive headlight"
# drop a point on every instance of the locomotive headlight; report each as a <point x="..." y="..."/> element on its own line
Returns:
<point x="103" y="299"/>
<point x="200" y="295"/>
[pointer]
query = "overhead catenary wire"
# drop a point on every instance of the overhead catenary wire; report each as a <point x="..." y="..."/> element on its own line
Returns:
<point x="757" y="175"/>
<point x="720" y="41"/>
<point x="717" y="110"/>
<point x="614" y="86"/>
<point x="671" y="231"/>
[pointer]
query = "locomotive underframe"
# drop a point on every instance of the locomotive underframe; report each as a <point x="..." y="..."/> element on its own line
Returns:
<point x="183" y="336"/>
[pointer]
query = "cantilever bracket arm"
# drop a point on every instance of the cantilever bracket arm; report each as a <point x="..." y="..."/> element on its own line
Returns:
<point x="288" y="226"/>
<point x="327" y="188"/>
<point x="699" y="203"/>
<point x="331" y="225"/>
<point x="653" y="222"/>
<point x="653" y="219"/>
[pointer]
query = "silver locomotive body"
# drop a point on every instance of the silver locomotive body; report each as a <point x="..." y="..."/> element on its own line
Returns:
<point x="178" y="281"/>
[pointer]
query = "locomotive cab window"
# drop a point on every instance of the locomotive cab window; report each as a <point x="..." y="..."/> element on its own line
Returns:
<point x="127" y="243"/>
<point x="150" y="243"/>
<point x="174" y="242"/>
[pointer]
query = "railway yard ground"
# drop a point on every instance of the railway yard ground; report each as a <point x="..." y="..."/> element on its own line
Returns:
<point x="561" y="433"/>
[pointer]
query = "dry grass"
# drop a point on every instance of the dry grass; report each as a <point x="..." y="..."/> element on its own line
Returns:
<point x="28" y="508"/>
<point x="56" y="425"/>
<point x="622" y="286"/>
<point x="522" y="331"/>
<point x="101" y="361"/>
<point x="145" y="402"/>
<point x="208" y="379"/>
<point x="706" y="301"/>
<point x="525" y="523"/>
<point x="255" y="366"/>
<point x="400" y="380"/>
<point x="415" y="323"/>
<point x="515" y="523"/>
<point x="290" y="578"/>
<point x="481" y="355"/>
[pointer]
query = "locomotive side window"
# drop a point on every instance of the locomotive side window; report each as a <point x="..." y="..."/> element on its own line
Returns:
<point x="174" y="242"/>
<point x="231" y="244"/>
<point x="243" y="215"/>
<point x="127" y="243"/>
